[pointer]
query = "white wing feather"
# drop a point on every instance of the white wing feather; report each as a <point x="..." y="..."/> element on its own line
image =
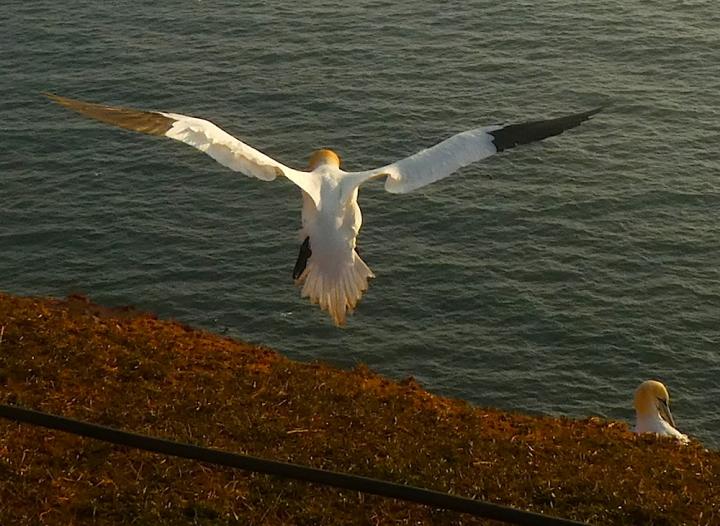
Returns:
<point x="198" y="133"/>
<point x="233" y="153"/>
<point x="439" y="161"/>
<point x="445" y="158"/>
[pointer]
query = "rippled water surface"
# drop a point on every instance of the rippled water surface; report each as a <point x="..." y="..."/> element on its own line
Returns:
<point x="553" y="278"/>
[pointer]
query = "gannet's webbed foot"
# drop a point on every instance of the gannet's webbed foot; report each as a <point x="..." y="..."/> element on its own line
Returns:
<point x="302" y="259"/>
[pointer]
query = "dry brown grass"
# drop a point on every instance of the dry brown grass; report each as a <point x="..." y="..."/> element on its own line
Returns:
<point x="129" y="370"/>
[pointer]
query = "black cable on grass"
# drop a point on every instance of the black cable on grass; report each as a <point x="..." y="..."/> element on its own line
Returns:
<point x="284" y="469"/>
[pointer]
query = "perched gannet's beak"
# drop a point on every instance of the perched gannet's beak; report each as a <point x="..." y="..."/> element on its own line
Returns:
<point x="664" y="410"/>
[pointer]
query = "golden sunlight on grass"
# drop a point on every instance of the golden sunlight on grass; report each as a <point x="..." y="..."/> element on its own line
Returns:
<point x="132" y="371"/>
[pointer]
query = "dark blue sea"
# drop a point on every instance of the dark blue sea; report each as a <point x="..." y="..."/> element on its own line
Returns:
<point x="553" y="278"/>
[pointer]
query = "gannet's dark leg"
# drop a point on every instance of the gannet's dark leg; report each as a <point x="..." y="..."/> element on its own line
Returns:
<point x="515" y="134"/>
<point x="303" y="256"/>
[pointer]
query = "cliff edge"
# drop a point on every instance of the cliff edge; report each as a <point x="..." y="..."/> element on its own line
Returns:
<point x="129" y="370"/>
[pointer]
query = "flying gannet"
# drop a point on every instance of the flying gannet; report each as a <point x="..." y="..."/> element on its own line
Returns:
<point x="328" y="267"/>
<point x="652" y="411"/>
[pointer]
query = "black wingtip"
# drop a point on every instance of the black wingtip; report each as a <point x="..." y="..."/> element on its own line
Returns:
<point x="597" y="110"/>
<point x="516" y="134"/>
<point x="50" y="95"/>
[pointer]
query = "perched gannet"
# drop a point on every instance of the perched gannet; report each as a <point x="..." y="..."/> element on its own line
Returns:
<point x="328" y="267"/>
<point x="652" y="411"/>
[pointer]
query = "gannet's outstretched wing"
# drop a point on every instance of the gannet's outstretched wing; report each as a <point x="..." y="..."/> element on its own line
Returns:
<point x="441" y="160"/>
<point x="199" y="133"/>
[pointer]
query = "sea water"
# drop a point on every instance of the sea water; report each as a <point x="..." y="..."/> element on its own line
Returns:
<point x="553" y="278"/>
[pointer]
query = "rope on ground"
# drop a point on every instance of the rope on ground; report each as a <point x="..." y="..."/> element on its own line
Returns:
<point x="282" y="469"/>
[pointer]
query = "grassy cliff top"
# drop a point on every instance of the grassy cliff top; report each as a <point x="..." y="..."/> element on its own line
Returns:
<point x="125" y="369"/>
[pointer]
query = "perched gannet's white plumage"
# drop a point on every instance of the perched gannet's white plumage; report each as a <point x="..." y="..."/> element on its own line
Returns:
<point x="328" y="268"/>
<point x="652" y="411"/>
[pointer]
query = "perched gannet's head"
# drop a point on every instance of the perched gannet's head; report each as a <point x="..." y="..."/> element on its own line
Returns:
<point x="651" y="399"/>
<point x="320" y="157"/>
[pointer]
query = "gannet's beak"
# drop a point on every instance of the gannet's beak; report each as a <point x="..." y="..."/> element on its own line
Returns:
<point x="665" y="413"/>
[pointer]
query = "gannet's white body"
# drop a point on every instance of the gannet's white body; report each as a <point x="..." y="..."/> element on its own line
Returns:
<point x="334" y="276"/>
<point x="652" y="411"/>
<point x="328" y="268"/>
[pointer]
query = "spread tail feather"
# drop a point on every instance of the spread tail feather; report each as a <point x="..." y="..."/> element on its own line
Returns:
<point x="337" y="292"/>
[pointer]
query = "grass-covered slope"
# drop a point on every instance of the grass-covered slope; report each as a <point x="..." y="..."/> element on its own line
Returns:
<point x="129" y="370"/>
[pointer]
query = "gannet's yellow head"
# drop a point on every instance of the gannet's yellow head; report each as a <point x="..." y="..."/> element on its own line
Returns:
<point x="321" y="157"/>
<point x="652" y="398"/>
